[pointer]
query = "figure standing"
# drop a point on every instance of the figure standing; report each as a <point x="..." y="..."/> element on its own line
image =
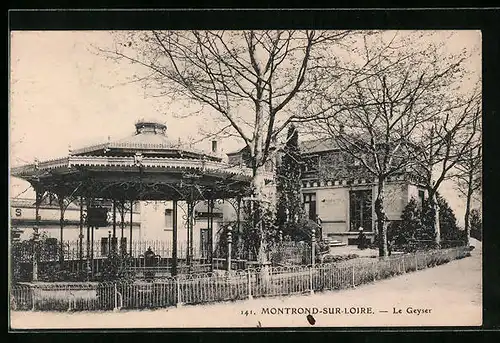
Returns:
<point x="149" y="257"/>
<point x="361" y="239"/>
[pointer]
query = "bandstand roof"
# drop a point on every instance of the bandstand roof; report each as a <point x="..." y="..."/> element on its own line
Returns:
<point x="144" y="166"/>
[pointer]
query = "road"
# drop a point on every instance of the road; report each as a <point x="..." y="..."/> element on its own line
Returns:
<point x="445" y="295"/>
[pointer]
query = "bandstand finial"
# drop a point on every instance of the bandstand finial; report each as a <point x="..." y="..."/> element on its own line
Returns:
<point x="150" y="126"/>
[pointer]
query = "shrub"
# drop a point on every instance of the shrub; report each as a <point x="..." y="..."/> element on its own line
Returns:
<point x="448" y="222"/>
<point x="415" y="229"/>
<point x="476" y="225"/>
<point x="338" y="258"/>
<point x="410" y="233"/>
<point x="116" y="267"/>
<point x="302" y="230"/>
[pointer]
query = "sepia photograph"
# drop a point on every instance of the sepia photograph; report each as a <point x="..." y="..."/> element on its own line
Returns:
<point x="245" y="178"/>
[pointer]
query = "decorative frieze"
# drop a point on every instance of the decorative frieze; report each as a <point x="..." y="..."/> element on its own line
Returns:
<point x="130" y="162"/>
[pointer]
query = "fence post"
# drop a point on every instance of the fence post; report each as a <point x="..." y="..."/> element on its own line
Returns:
<point x="178" y="285"/>
<point x="311" y="279"/>
<point x="416" y="262"/>
<point x="249" y="284"/>
<point x="33" y="299"/>
<point x="404" y="268"/>
<point x="116" y="297"/>
<point x="70" y="299"/>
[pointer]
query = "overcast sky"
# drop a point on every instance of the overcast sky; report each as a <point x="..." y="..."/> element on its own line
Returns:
<point x="62" y="93"/>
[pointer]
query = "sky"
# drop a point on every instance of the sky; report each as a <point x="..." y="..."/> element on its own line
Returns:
<point x="63" y="93"/>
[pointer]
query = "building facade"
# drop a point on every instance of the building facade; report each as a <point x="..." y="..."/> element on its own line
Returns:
<point x="152" y="222"/>
<point x="22" y="214"/>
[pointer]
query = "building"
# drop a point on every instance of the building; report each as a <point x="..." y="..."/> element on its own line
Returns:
<point x="22" y="214"/>
<point x="344" y="201"/>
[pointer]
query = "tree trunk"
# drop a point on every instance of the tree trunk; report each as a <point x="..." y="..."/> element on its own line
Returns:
<point x="437" y="225"/>
<point x="258" y="192"/>
<point x="467" y="208"/>
<point x="434" y="210"/>
<point x="258" y="184"/>
<point x="381" y="222"/>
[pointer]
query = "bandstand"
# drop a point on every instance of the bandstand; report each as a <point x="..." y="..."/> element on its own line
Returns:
<point x="146" y="166"/>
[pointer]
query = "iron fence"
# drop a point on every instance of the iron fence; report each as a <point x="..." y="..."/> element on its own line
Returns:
<point x="89" y="260"/>
<point x="221" y="285"/>
<point x="72" y="250"/>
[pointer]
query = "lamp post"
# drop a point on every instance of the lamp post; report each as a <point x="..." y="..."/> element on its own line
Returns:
<point x="229" y="247"/>
<point x="313" y="242"/>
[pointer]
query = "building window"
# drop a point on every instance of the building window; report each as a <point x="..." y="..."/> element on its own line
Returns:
<point x="421" y="198"/>
<point x="360" y="208"/>
<point x="104" y="246"/>
<point x="204" y="242"/>
<point x="310" y="205"/>
<point x="168" y="218"/>
<point x="137" y="207"/>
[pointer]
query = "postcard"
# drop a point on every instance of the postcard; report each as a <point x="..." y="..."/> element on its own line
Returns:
<point x="242" y="179"/>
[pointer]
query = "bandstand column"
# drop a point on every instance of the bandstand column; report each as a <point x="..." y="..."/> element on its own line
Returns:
<point x="131" y="225"/>
<point x="210" y="231"/>
<point x="174" y="238"/>
<point x="61" y="227"/>
<point x="36" y="234"/>
<point x="113" y="239"/>
<point x="92" y="228"/>
<point x="89" y="267"/>
<point x="80" y="236"/>
<point x="238" y="216"/>
<point x="123" y="247"/>
<point x="190" y="213"/>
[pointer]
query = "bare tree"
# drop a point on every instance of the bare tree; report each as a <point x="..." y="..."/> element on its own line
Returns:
<point x="468" y="178"/>
<point x="255" y="82"/>
<point x="400" y="86"/>
<point x="447" y="142"/>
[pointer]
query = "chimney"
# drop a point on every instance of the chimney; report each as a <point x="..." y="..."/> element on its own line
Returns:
<point x="214" y="146"/>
